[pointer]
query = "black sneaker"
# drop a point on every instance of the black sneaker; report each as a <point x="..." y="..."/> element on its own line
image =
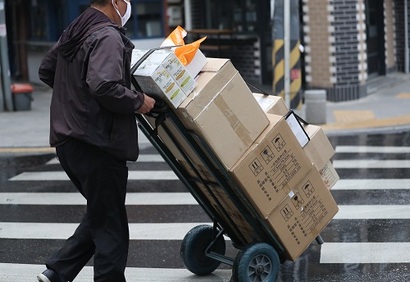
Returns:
<point x="49" y="275"/>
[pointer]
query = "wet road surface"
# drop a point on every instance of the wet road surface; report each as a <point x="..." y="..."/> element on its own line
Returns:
<point x="369" y="239"/>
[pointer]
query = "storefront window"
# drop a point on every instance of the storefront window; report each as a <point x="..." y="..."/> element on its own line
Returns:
<point x="146" y="20"/>
<point x="238" y="15"/>
<point x="48" y="18"/>
<point x="245" y="19"/>
<point x="219" y="14"/>
<point x="39" y="23"/>
<point x="46" y="21"/>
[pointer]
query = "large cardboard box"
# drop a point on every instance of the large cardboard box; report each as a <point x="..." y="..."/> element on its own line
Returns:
<point x="214" y="77"/>
<point x="223" y="112"/>
<point x="272" y="166"/>
<point x="303" y="214"/>
<point x="271" y="104"/>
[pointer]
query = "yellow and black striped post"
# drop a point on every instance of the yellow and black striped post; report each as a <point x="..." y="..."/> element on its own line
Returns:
<point x="278" y="56"/>
<point x="295" y="72"/>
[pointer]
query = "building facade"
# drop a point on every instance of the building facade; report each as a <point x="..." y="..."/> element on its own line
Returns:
<point x="33" y="26"/>
<point x="347" y="43"/>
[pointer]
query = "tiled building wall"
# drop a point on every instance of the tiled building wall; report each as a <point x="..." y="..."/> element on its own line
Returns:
<point x="246" y="58"/>
<point x="346" y="41"/>
<point x="335" y="47"/>
<point x="399" y="27"/>
<point x="334" y="37"/>
<point x="362" y="46"/>
<point x="197" y="14"/>
<point x="348" y="25"/>
<point x="390" y="35"/>
<point x="319" y="62"/>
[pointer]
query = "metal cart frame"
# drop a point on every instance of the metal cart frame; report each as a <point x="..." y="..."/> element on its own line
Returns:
<point x="203" y="248"/>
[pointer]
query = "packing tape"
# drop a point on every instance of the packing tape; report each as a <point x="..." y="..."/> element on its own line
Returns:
<point x="233" y="120"/>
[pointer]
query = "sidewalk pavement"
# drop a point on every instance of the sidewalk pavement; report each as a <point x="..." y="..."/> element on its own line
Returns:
<point x="386" y="108"/>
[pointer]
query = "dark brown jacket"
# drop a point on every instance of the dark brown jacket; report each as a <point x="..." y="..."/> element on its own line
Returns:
<point x="89" y="71"/>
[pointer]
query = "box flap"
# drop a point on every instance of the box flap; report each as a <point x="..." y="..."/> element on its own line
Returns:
<point x="214" y="64"/>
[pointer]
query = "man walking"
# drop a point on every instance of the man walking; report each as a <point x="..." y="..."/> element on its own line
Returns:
<point x="93" y="127"/>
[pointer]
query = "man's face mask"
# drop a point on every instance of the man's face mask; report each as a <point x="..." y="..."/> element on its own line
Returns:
<point x="127" y="14"/>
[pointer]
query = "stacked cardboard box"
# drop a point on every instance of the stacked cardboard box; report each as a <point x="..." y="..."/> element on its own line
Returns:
<point x="284" y="184"/>
<point x="287" y="173"/>
<point x="317" y="148"/>
<point x="302" y="214"/>
<point x="162" y="74"/>
<point x="271" y="104"/>
<point x="222" y="111"/>
<point x="282" y="166"/>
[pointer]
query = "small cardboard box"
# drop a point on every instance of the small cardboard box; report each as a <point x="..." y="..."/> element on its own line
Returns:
<point x="271" y="104"/>
<point x="197" y="63"/>
<point x="297" y="128"/>
<point x="168" y="59"/>
<point x="329" y="175"/>
<point x="318" y="149"/>
<point x="303" y="214"/>
<point x="156" y="81"/>
<point x="179" y="73"/>
<point x="272" y="166"/>
<point x="228" y="118"/>
<point x="162" y="74"/>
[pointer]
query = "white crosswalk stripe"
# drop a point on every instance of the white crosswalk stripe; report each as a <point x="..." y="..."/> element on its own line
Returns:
<point x="365" y="252"/>
<point x="373" y="212"/>
<point x="27" y="272"/>
<point x="333" y="252"/>
<point x="54" y="231"/>
<point x="371" y="164"/>
<point x="61" y="176"/>
<point x="373" y="149"/>
<point x="141" y="159"/>
<point x="75" y="198"/>
<point x="372" y="184"/>
<point x="166" y="232"/>
<point x="369" y="252"/>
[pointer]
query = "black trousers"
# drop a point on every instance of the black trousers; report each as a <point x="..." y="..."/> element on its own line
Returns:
<point x="103" y="231"/>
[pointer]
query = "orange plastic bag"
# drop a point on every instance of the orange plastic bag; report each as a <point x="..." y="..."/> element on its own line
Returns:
<point x="175" y="38"/>
<point x="184" y="52"/>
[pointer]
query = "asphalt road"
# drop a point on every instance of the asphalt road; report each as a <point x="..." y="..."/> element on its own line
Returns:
<point x="369" y="238"/>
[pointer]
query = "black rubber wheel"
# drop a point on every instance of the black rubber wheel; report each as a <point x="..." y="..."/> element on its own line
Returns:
<point x="193" y="247"/>
<point x="258" y="262"/>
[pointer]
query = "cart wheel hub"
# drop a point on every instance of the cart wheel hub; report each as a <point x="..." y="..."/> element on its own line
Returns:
<point x="260" y="270"/>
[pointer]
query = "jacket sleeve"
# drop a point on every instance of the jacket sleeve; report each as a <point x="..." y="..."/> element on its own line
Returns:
<point x="106" y="74"/>
<point x="47" y="67"/>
